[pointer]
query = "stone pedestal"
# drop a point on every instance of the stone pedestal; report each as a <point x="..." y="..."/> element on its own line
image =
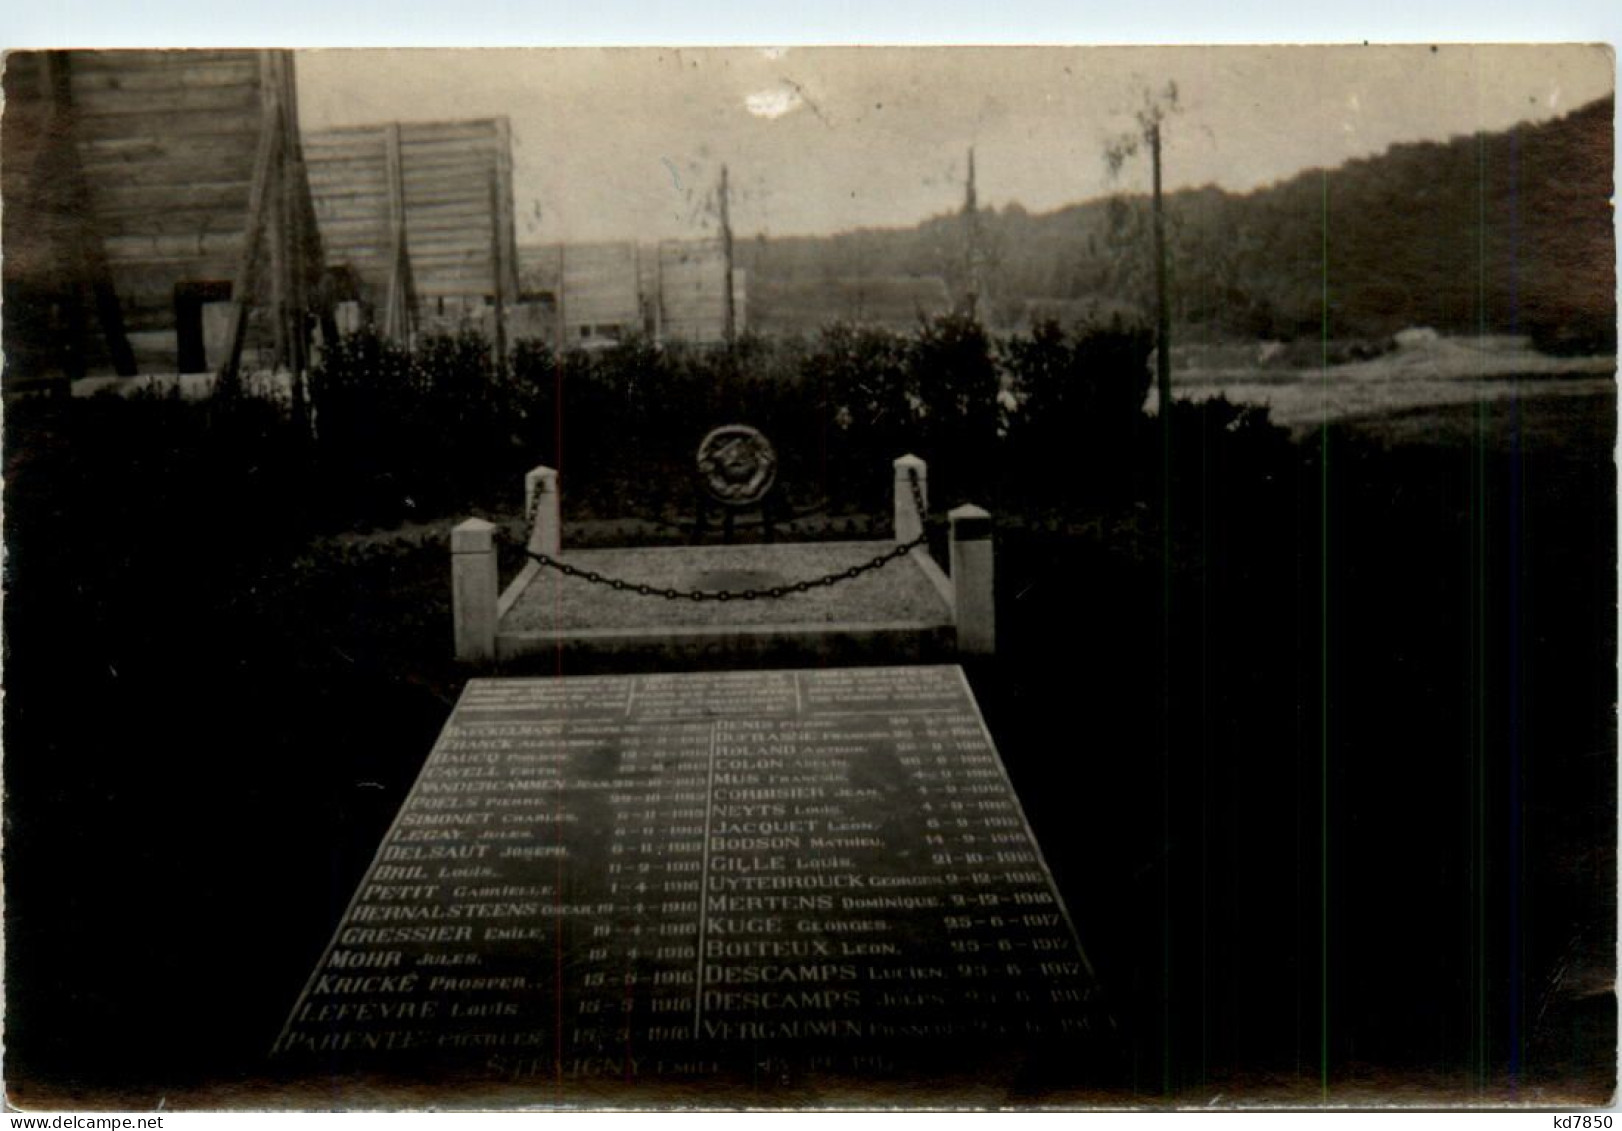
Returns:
<point x="541" y="506"/>
<point x="474" y="589"/>
<point x="972" y="581"/>
<point x="908" y="522"/>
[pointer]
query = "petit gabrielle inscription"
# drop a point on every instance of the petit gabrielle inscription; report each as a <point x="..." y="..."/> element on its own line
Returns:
<point x="661" y="876"/>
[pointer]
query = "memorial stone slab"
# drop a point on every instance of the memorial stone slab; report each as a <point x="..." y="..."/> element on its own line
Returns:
<point x="814" y="882"/>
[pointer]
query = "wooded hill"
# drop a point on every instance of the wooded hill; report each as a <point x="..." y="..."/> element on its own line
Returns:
<point x="1507" y="232"/>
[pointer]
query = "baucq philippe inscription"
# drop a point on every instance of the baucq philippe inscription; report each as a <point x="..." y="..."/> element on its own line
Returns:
<point x="696" y="874"/>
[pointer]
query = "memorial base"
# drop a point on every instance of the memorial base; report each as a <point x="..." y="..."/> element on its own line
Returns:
<point x="730" y="888"/>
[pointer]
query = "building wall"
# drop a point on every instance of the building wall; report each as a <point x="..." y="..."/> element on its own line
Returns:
<point x="454" y="185"/>
<point x="600" y="297"/>
<point x="152" y="162"/>
<point x="692" y="280"/>
<point x="673" y="291"/>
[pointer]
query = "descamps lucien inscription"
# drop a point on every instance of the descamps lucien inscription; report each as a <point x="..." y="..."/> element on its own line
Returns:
<point x="650" y="876"/>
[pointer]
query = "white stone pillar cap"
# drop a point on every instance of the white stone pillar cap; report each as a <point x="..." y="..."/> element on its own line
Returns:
<point x="970" y="522"/>
<point x="472" y="536"/>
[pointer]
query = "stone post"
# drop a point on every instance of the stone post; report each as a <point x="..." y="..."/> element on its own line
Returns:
<point x="542" y="510"/>
<point x="972" y="581"/>
<point x="473" y="589"/>
<point x="908" y="522"/>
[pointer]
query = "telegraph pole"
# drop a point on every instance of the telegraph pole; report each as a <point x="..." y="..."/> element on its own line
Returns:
<point x="731" y="327"/>
<point x="498" y="264"/>
<point x="1163" y="313"/>
<point x="971" y="264"/>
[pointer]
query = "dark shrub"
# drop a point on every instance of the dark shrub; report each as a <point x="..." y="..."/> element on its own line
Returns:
<point x="956" y="384"/>
<point x="1080" y="409"/>
<point x="860" y="382"/>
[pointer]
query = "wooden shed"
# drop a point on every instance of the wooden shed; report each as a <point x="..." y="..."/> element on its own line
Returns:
<point x="697" y="299"/>
<point x="596" y="289"/>
<point x="157" y="218"/>
<point x="421" y="215"/>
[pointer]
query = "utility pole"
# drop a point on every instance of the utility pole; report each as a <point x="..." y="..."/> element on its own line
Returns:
<point x="731" y="326"/>
<point x="498" y="267"/>
<point x="1156" y="107"/>
<point x="1163" y="312"/>
<point x="971" y="250"/>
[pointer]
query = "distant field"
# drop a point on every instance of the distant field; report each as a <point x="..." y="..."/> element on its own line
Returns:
<point x="1434" y="374"/>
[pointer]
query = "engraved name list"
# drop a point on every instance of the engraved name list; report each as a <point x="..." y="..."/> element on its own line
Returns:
<point x="696" y="875"/>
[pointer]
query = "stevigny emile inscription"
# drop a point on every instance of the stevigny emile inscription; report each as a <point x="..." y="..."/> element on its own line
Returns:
<point x="697" y="874"/>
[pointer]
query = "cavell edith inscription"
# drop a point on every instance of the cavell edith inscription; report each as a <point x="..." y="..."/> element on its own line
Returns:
<point x="762" y="876"/>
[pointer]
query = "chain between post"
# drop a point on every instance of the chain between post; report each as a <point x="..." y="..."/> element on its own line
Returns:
<point x="620" y="585"/>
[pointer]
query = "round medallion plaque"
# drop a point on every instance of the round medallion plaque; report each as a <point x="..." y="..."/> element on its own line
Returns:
<point x="737" y="465"/>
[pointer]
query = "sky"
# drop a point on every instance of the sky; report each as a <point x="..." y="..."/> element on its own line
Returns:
<point x="613" y="144"/>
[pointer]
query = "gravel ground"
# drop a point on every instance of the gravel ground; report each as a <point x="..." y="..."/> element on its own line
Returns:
<point x="899" y="592"/>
